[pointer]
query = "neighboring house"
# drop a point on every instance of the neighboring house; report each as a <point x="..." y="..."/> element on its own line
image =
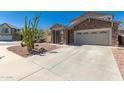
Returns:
<point x="90" y="28"/>
<point x="8" y="32"/>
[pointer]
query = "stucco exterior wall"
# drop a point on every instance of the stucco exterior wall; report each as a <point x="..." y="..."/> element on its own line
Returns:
<point x="92" y="24"/>
<point x="115" y="32"/>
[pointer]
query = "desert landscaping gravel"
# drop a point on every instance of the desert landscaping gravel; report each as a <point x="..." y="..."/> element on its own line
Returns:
<point x="22" y="51"/>
<point x="118" y="53"/>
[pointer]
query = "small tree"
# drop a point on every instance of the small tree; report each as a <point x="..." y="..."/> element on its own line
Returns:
<point x="47" y="32"/>
<point x="28" y="32"/>
<point x="40" y="34"/>
<point x="47" y="35"/>
<point x="18" y="35"/>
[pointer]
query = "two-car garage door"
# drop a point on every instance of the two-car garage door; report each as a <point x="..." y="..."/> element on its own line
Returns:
<point x="5" y="37"/>
<point x="96" y="37"/>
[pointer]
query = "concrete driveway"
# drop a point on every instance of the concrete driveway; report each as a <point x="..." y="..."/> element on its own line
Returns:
<point x="86" y="62"/>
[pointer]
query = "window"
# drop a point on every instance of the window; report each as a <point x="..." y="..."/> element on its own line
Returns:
<point x="61" y="32"/>
<point x="93" y="32"/>
<point x="109" y="18"/>
<point x="78" y="33"/>
<point x="85" y="33"/>
<point x="5" y="30"/>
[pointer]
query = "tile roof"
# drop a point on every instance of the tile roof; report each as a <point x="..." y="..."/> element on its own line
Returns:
<point x="95" y="19"/>
<point x="59" y="27"/>
<point x="90" y="14"/>
<point x="11" y="26"/>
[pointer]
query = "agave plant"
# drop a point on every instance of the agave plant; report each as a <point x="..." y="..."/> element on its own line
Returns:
<point x="28" y="32"/>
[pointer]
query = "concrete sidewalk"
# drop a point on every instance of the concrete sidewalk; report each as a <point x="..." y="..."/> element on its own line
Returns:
<point x="14" y="67"/>
<point x="9" y="43"/>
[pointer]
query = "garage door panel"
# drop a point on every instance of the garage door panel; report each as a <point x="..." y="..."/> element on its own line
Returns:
<point x="94" y="37"/>
<point x="6" y="37"/>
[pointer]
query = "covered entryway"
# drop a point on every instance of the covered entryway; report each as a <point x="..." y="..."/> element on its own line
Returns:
<point x="93" y="36"/>
<point x="59" y="34"/>
<point x="121" y="40"/>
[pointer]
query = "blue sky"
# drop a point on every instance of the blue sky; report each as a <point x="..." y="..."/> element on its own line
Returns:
<point x="48" y="18"/>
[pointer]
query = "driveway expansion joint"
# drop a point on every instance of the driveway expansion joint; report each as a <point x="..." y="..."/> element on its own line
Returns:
<point x="38" y="65"/>
<point x="57" y="74"/>
<point x="30" y="74"/>
<point x="66" y="58"/>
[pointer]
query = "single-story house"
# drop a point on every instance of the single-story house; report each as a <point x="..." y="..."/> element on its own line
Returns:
<point x="89" y="28"/>
<point x="8" y="32"/>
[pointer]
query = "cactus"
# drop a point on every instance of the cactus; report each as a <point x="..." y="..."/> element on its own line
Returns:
<point x="28" y="32"/>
